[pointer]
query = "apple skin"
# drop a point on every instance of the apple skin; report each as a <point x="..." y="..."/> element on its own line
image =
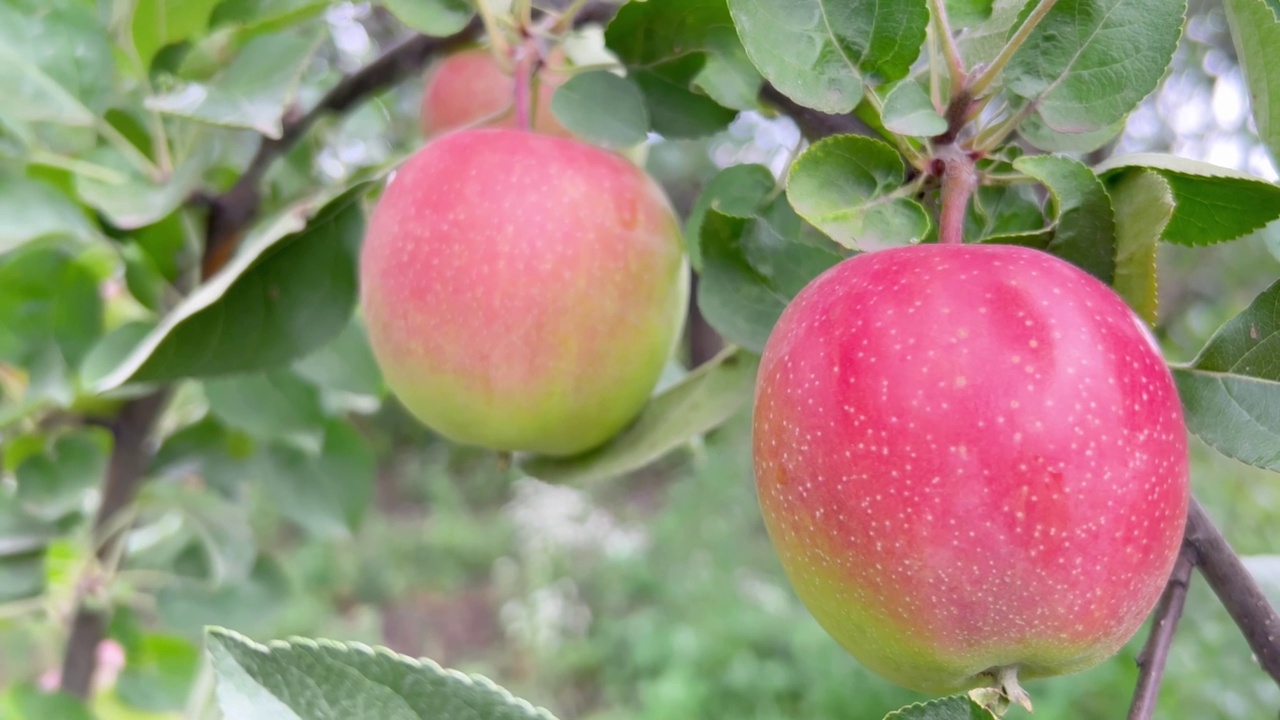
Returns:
<point x="523" y="292"/>
<point x="971" y="460"/>
<point x="468" y="86"/>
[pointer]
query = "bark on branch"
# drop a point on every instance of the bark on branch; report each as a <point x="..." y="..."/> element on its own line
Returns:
<point x="1155" y="654"/>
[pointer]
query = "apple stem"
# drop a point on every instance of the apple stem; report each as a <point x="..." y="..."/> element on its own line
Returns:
<point x="1008" y="678"/>
<point x="526" y="62"/>
<point x="959" y="181"/>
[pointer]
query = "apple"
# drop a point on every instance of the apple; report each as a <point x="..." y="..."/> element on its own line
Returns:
<point x="972" y="462"/>
<point x="523" y="292"/>
<point x="469" y="89"/>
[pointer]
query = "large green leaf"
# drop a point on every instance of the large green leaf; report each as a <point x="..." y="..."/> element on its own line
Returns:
<point x="253" y="91"/>
<point x="1084" y="231"/>
<point x="131" y="202"/>
<point x="1211" y="204"/>
<point x="325" y="680"/>
<point x="817" y="52"/>
<point x="290" y="289"/>
<point x="1255" y="31"/>
<point x="735" y="191"/>
<point x="1230" y="392"/>
<point x="1090" y="62"/>
<point x="274" y="405"/>
<point x="698" y="403"/>
<point x="849" y="186"/>
<point x="1144" y="204"/>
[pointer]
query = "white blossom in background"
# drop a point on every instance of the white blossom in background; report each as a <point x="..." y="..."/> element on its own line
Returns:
<point x="355" y="47"/>
<point x="546" y="617"/>
<point x="555" y="520"/>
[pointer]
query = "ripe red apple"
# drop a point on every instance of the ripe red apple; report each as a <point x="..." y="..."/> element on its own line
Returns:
<point x="469" y="89"/>
<point x="972" y="462"/>
<point x="523" y="292"/>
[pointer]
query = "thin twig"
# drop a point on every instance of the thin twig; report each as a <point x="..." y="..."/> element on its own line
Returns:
<point x="991" y="72"/>
<point x="1236" y="589"/>
<point x="1155" y="654"/>
<point x="130" y="455"/>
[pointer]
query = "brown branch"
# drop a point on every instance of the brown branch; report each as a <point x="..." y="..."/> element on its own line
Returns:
<point x="1236" y="589"/>
<point x="1155" y="654"/>
<point x="231" y="213"/>
<point x="130" y="454"/>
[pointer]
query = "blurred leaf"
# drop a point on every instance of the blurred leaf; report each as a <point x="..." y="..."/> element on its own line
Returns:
<point x="22" y="575"/>
<point x="1144" y="205"/>
<point x="1255" y="32"/>
<point x="674" y="109"/>
<point x="1211" y="204"/>
<point x="325" y="492"/>
<point x="312" y="680"/>
<point x="221" y="457"/>
<point x="187" y="606"/>
<point x="752" y="269"/>
<point x="136" y="202"/>
<point x="345" y="365"/>
<point x="698" y="403"/>
<point x="253" y="92"/>
<point x="50" y="309"/>
<point x="53" y="484"/>
<point x="25" y="701"/>
<point x="1230" y="391"/>
<point x="158" y="674"/>
<point x="967" y="13"/>
<point x="290" y="289"/>
<point x="1084" y="231"/>
<point x="112" y="349"/>
<point x="220" y="526"/>
<point x="157" y="23"/>
<point x="735" y="191"/>
<point x="817" y="51"/>
<point x="982" y="41"/>
<point x="909" y="111"/>
<point x="845" y="185"/>
<point x="33" y="210"/>
<point x="671" y="45"/>
<point x="260" y="17"/>
<point x="602" y="109"/>
<point x="432" y="17"/>
<point x="1090" y="62"/>
<point x="1003" y="210"/>
<point x="955" y="707"/>
<point x="56" y="64"/>
<point x="273" y="405"/>
<point x="1036" y="133"/>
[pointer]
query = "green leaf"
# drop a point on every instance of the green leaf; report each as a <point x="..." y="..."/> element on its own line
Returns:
<point x="954" y="707"/>
<point x="432" y="17"/>
<point x="981" y="42"/>
<point x="818" y="51"/>
<point x="669" y="46"/>
<point x="272" y="405"/>
<point x="56" y="64"/>
<point x="602" y="109"/>
<point x="157" y="23"/>
<point x="1084" y="230"/>
<point x="967" y="13"/>
<point x="27" y="702"/>
<point x="736" y="191"/>
<point x="134" y="201"/>
<point x="22" y="575"/>
<point x="1034" y="131"/>
<point x="1090" y="62"/>
<point x="312" y="680"/>
<point x="158" y="674"/>
<point x="1255" y="32"/>
<point x="1144" y="205"/>
<point x="909" y="111"/>
<point x="50" y="310"/>
<point x="209" y="450"/>
<point x="189" y="605"/>
<point x="289" y="290"/>
<point x="675" y="110"/>
<point x="33" y="210"/>
<point x="847" y="186"/>
<point x="326" y="492"/>
<point x="20" y="532"/>
<point x="1003" y="210"/>
<point x="224" y="538"/>
<point x="1230" y="391"/>
<point x="253" y="92"/>
<point x="346" y="365"/>
<point x="53" y="484"/>
<point x="1211" y="204"/>
<point x="701" y="401"/>
<point x="752" y="268"/>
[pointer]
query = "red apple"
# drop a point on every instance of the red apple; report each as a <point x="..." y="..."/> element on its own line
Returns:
<point x="523" y="292"/>
<point x="972" y="462"/>
<point x="469" y="89"/>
